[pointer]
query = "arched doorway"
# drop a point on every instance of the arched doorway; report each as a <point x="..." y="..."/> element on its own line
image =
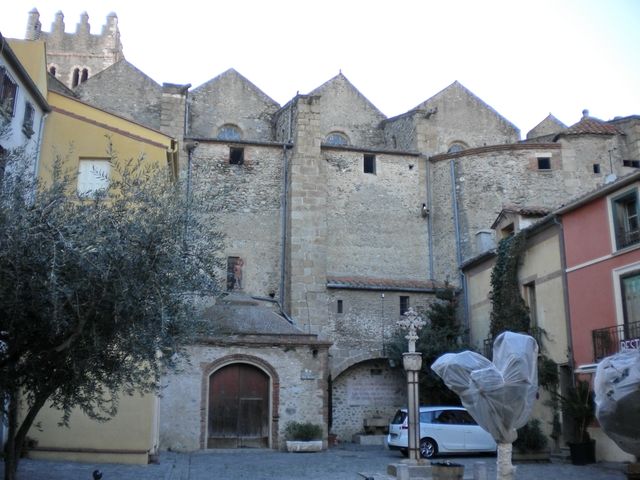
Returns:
<point x="238" y="407"/>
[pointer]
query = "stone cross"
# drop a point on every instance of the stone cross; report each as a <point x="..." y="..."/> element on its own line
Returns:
<point x="412" y="322"/>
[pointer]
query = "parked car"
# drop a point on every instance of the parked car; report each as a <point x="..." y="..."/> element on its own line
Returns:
<point x="442" y="430"/>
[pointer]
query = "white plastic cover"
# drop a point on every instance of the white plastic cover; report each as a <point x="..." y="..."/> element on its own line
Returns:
<point x="499" y="395"/>
<point x="617" y="389"/>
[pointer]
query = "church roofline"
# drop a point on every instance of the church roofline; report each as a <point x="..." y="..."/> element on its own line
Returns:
<point x="496" y="148"/>
<point x="233" y="71"/>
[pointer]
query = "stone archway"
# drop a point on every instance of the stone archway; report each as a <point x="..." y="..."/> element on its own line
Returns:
<point x="365" y="391"/>
<point x="239" y="403"/>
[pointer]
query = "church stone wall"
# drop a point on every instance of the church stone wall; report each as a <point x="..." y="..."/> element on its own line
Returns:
<point x="400" y="133"/>
<point x="231" y="99"/>
<point x="140" y="101"/>
<point x="368" y="390"/>
<point x="456" y="115"/>
<point x="367" y="324"/>
<point x="307" y="227"/>
<point x="374" y="220"/>
<point x="297" y="394"/>
<point x="244" y="201"/>
<point x="344" y="109"/>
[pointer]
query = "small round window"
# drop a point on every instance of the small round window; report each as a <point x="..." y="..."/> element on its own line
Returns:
<point x="337" y="138"/>
<point x="229" y="132"/>
<point x="456" y="147"/>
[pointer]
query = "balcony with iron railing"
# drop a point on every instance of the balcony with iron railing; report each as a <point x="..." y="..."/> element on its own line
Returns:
<point x="610" y="340"/>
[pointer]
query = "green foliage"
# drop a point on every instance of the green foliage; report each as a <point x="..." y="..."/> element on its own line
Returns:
<point x="578" y="405"/>
<point x="303" y="432"/>
<point x="548" y="377"/>
<point x="530" y="437"/>
<point x="96" y="293"/>
<point x="441" y="335"/>
<point x="509" y="312"/>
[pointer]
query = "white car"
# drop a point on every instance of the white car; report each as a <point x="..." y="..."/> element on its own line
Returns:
<point x="442" y="430"/>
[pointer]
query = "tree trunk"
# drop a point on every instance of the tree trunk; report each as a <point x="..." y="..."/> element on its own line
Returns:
<point x="17" y="435"/>
<point x="11" y="458"/>
<point x="506" y="470"/>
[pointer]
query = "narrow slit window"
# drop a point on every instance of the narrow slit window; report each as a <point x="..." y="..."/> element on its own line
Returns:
<point x="76" y="77"/>
<point x="339" y="307"/>
<point x="596" y="168"/>
<point x="404" y="304"/>
<point x="236" y="156"/>
<point x="370" y="164"/>
<point x="85" y="75"/>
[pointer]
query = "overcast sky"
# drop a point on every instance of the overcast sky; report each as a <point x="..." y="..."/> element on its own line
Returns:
<point x="524" y="58"/>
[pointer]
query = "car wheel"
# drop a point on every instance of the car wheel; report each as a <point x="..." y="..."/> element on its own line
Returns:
<point x="404" y="452"/>
<point x="428" y="448"/>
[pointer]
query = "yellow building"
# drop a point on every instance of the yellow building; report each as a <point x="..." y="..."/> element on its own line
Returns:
<point x="79" y="134"/>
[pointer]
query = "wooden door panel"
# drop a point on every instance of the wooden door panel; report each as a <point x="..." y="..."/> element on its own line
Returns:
<point x="238" y="407"/>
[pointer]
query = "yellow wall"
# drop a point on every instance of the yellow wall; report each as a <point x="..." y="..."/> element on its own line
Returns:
<point x="77" y="130"/>
<point x="542" y="265"/>
<point x="32" y="55"/>
<point x="129" y="437"/>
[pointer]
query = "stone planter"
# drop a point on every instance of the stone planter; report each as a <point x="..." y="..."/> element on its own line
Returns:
<point x="300" y="446"/>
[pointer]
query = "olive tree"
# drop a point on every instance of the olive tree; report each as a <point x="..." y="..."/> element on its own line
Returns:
<point x="96" y="292"/>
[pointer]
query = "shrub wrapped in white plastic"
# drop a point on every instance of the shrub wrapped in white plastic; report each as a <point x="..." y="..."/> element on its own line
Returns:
<point x="499" y="395"/>
<point x="617" y="397"/>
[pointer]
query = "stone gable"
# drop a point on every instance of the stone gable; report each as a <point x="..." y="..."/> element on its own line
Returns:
<point x="231" y="99"/>
<point x="344" y="109"/>
<point x="124" y="90"/>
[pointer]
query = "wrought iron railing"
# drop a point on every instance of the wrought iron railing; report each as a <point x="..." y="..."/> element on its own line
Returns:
<point x="610" y="340"/>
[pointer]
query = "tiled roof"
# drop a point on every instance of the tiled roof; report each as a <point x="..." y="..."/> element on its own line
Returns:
<point x="370" y="283"/>
<point x="527" y="211"/>
<point x="591" y="125"/>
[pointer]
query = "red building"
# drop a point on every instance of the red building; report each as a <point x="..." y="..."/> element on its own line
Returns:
<point x="602" y="260"/>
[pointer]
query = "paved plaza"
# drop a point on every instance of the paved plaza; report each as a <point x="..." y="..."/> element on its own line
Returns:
<point x="344" y="462"/>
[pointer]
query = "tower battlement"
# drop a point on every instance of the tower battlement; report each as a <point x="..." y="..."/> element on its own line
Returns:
<point x="74" y="57"/>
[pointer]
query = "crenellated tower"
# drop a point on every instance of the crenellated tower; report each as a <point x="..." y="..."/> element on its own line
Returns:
<point x="74" y="57"/>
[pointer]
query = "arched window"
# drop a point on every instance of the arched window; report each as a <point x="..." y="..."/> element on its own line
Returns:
<point x="85" y="75"/>
<point x="76" y="77"/>
<point x="456" y="147"/>
<point x="337" y="138"/>
<point x="229" y="132"/>
<point x="52" y="70"/>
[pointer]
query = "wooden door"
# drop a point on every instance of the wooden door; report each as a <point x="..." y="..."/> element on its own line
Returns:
<point x="238" y="407"/>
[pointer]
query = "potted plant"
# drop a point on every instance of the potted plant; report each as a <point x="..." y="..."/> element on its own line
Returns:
<point x="303" y="437"/>
<point x="578" y="408"/>
<point x="531" y="444"/>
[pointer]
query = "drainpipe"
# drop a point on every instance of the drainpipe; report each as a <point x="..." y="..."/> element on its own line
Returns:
<point x="456" y="223"/>
<point x="36" y="167"/>
<point x="567" y="311"/>
<point x="190" y="146"/>
<point x="283" y="219"/>
<point x="429" y="220"/>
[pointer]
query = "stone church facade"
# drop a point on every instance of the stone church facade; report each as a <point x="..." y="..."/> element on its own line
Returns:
<point x="341" y="216"/>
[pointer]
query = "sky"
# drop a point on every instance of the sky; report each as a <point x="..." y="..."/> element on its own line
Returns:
<point x="525" y="58"/>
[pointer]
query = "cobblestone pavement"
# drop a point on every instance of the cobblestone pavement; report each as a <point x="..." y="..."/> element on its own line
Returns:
<point x="344" y="462"/>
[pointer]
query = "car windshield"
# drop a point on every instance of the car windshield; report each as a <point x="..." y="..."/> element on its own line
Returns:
<point x="399" y="417"/>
